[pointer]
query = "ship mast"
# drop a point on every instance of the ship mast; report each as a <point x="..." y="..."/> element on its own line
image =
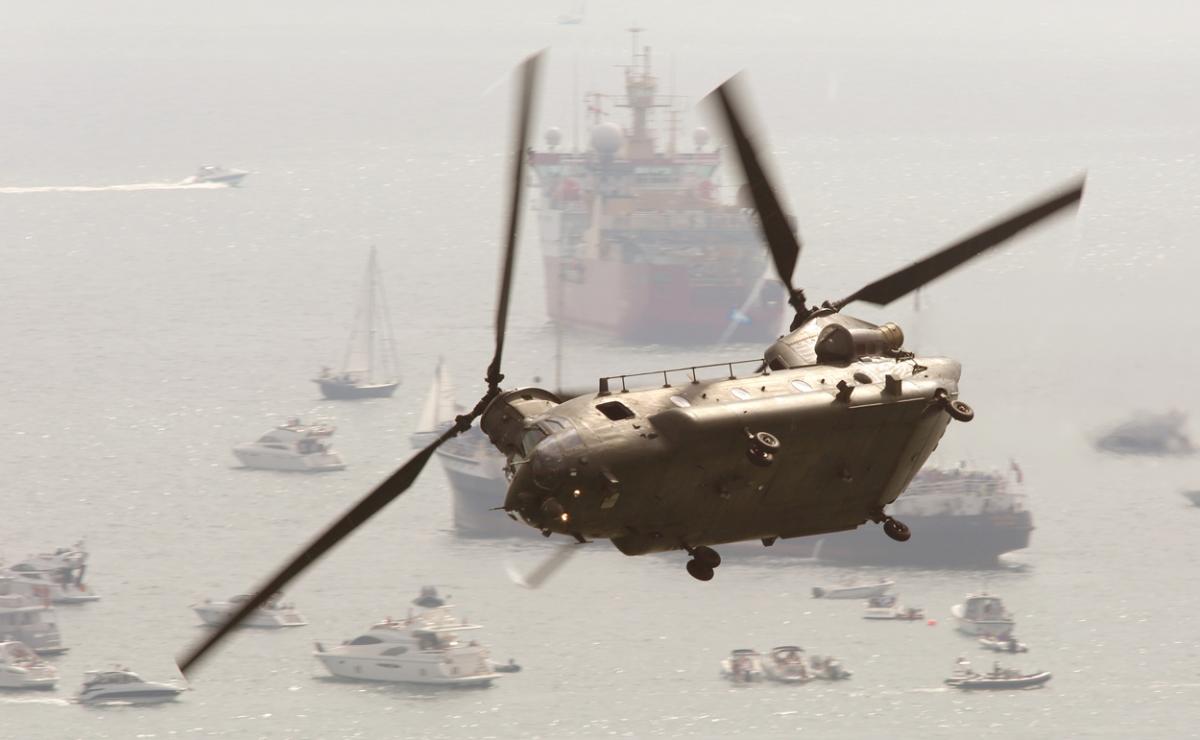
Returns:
<point x="640" y="89"/>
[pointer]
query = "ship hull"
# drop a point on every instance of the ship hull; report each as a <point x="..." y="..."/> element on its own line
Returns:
<point x="658" y="303"/>
<point x="937" y="542"/>
<point x="346" y="392"/>
<point x="475" y="500"/>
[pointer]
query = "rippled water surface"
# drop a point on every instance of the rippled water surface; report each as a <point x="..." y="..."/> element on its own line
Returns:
<point x="148" y="329"/>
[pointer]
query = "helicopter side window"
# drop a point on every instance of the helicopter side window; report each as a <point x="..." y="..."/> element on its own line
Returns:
<point x="615" y="410"/>
<point x="680" y="401"/>
<point x="741" y="394"/>
<point x="801" y="386"/>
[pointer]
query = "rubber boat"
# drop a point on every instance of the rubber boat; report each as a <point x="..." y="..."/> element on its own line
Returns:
<point x="998" y="679"/>
<point x="742" y="666"/>
<point x="1003" y="644"/>
<point x="785" y="664"/>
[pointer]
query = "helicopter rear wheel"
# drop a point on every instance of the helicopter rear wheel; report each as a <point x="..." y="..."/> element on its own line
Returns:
<point x="960" y="411"/>
<point x="699" y="570"/>
<point x="896" y="529"/>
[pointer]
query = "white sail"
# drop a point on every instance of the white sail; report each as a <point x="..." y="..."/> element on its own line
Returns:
<point x="439" y="405"/>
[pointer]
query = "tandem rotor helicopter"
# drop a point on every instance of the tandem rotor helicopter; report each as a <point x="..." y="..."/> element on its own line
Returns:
<point x="817" y="436"/>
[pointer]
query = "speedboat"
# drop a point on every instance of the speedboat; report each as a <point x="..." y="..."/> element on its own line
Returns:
<point x="56" y="576"/>
<point x="21" y="668"/>
<point x="982" y="614"/>
<point x="885" y="607"/>
<point x="424" y="648"/>
<point x="742" y="666"/>
<point x="827" y="668"/>
<point x="785" y="664"/>
<point x="29" y="621"/>
<point x="853" y="590"/>
<point x="997" y="679"/>
<point x="294" y="446"/>
<point x="1003" y="644"/>
<point x="212" y="173"/>
<point x="271" y="615"/>
<point x="123" y="685"/>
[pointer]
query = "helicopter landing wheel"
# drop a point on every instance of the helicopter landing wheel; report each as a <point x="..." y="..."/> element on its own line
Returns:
<point x="960" y="411"/>
<point x="699" y="570"/>
<point x="896" y="529"/>
<point x="707" y="556"/>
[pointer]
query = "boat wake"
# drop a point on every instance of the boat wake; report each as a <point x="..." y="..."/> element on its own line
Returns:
<point x="131" y="187"/>
<point x="32" y="700"/>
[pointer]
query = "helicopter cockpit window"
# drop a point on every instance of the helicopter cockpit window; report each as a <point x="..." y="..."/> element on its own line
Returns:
<point x="615" y="410"/>
<point x="680" y="401"/>
<point x="531" y="438"/>
<point x="741" y="394"/>
<point x="801" y="386"/>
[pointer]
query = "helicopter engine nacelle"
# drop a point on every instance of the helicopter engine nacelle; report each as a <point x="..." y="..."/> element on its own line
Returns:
<point x="504" y="420"/>
<point x="840" y="343"/>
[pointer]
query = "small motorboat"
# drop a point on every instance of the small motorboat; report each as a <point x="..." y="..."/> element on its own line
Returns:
<point x="886" y="607"/>
<point x="124" y="686"/>
<point x="21" y="668"/>
<point x="1003" y="644"/>
<point x="1148" y="434"/>
<point x="827" y="668"/>
<point x="998" y="679"/>
<point x="785" y="664"/>
<point x="30" y="621"/>
<point x="509" y="667"/>
<point x="271" y="615"/>
<point x="212" y="173"/>
<point x="982" y="614"/>
<point x="853" y="590"/>
<point x="742" y="666"/>
<point x="293" y="446"/>
<point x="55" y="576"/>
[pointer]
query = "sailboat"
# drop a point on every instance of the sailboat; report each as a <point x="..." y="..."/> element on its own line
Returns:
<point x="439" y="410"/>
<point x="369" y="370"/>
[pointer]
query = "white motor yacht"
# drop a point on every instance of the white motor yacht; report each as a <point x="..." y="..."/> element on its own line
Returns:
<point x="853" y="590"/>
<point x="742" y="666"/>
<point x="982" y="614"/>
<point x="785" y="664"/>
<point x="21" y="668"/>
<point x="271" y="615"/>
<point x="424" y="648"/>
<point x="56" y="576"/>
<point x="212" y="173"/>
<point x="125" y="686"/>
<point x="294" y="447"/>
<point x="30" y="621"/>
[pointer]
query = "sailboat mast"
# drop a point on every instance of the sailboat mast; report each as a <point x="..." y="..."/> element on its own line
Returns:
<point x="371" y="315"/>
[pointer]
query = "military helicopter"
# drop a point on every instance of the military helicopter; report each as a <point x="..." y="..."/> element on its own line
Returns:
<point x="818" y="435"/>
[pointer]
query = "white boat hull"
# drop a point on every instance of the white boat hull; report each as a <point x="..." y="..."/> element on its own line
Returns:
<point x="215" y="615"/>
<point x="148" y="694"/>
<point x="13" y="678"/>
<point x="853" y="592"/>
<point x="432" y="671"/>
<point x="270" y="459"/>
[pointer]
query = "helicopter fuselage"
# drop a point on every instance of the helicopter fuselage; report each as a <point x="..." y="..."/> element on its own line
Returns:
<point x="685" y="465"/>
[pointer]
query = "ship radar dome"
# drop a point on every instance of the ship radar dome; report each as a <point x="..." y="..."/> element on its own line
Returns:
<point x="553" y="137"/>
<point x="606" y="138"/>
<point x="700" y="138"/>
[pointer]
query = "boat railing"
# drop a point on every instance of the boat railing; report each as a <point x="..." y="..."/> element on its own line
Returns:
<point x="692" y="373"/>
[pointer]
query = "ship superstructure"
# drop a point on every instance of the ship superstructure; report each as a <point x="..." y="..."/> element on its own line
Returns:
<point x="636" y="240"/>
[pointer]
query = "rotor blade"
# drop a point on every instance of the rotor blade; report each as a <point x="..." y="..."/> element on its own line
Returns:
<point x="529" y="73"/>
<point x="740" y="317"/>
<point x="546" y="568"/>
<point x="785" y="247"/>
<point x="900" y="283"/>
<point x="397" y="484"/>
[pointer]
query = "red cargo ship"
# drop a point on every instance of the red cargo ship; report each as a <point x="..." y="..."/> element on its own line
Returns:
<point x="636" y="240"/>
